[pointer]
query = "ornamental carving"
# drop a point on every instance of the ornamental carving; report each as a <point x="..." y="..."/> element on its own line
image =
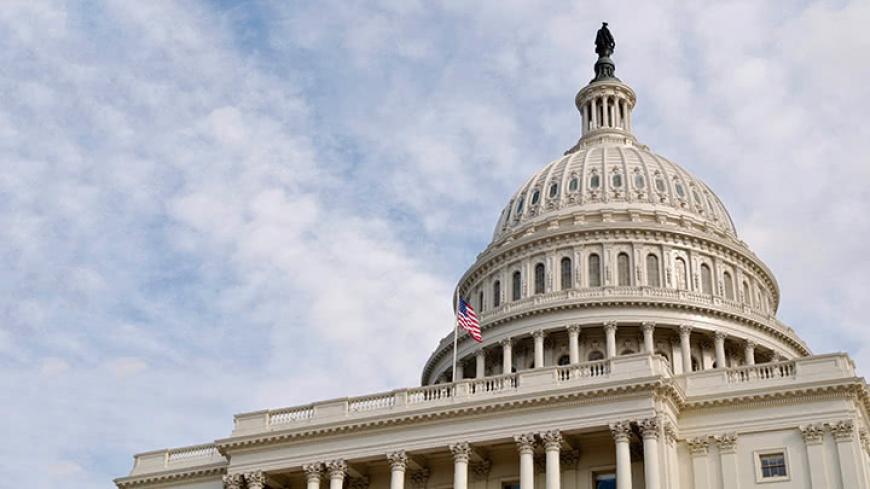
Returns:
<point x="621" y="430"/>
<point x="525" y="442"/>
<point x="670" y="433"/>
<point x="420" y="478"/>
<point x="358" y="483"/>
<point x="649" y="428"/>
<point x="727" y="441"/>
<point x="398" y="460"/>
<point x="813" y="433"/>
<point x="552" y="440"/>
<point x="568" y="459"/>
<point x="843" y="430"/>
<point x="481" y="469"/>
<point x="255" y="479"/>
<point x="610" y="326"/>
<point x="233" y="481"/>
<point x="648" y="326"/>
<point x="461" y="451"/>
<point x="337" y="468"/>
<point x="698" y="446"/>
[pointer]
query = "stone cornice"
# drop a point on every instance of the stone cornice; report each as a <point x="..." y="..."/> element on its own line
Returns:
<point x="187" y="474"/>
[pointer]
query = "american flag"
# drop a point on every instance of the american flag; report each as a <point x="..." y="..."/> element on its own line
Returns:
<point x="467" y="318"/>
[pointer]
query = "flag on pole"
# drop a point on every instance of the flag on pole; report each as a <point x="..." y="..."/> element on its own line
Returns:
<point x="467" y="318"/>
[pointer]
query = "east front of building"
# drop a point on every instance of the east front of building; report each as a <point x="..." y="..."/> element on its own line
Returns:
<point x="630" y="341"/>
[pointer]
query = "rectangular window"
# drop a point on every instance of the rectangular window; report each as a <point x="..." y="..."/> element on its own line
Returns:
<point x="605" y="481"/>
<point x="772" y="465"/>
<point x="510" y="485"/>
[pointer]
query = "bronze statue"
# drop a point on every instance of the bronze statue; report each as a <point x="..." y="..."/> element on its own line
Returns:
<point x="604" y="42"/>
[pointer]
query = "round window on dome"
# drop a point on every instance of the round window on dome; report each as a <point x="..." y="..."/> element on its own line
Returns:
<point x="574" y="184"/>
<point x="594" y="181"/>
<point x="616" y="179"/>
<point x="639" y="182"/>
<point x="536" y="196"/>
<point x="554" y="189"/>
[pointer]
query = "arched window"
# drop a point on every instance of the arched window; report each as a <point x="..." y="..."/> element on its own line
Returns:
<point x="595" y="355"/>
<point x="729" y="285"/>
<point x="574" y="184"/>
<point x="616" y="179"/>
<point x="567" y="279"/>
<point x="639" y="182"/>
<point x="539" y="278"/>
<point x="680" y="272"/>
<point x="652" y="271"/>
<point x="747" y="297"/>
<point x="706" y="279"/>
<point x="594" y="181"/>
<point x="660" y="184"/>
<point x="554" y="189"/>
<point x="480" y="301"/>
<point x="622" y="269"/>
<point x="564" y="360"/>
<point x="594" y="270"/>
<point x="519" y="207"/>
<point x="681" y="192"/>
<point x="496" y="294"/>
<point x="536" y="196"/>
<point x="516" y="293"/>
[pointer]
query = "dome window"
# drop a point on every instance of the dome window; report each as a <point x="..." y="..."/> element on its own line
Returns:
<point x="681" y="192"/>
<point x="639" y="182"/>
<point x="536" y="196"/>
<point x="697" y="197"/>
<point x="554" y="189"/>
<point x="574" y="184"/>
<point x="516" y="286"/>
<point x="594" y="181"/>
<point x="539" y="278"/>
<point x="616" y="179"/>
<point x="519" y="207"/>
<point x="594" y="274"/>
<point x="622" y="270"/>
<point x="660" y="185"/>
<point x="496" y="293"/>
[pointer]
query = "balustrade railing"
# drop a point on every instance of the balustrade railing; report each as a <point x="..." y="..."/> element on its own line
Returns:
<point x="583" y="370"/>
<point x="290" y="415"/>
<point x="431" y="393"/>
<point x="191" y="453"/>
<point x="754" y="373"/>
<point x="493" y="384"/>
<point x="369" y="403"/>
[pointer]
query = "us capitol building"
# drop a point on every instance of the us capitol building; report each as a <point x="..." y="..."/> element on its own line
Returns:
<point x="630" y="341"/>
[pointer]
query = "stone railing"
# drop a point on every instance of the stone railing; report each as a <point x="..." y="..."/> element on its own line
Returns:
<point x="439" y="395"/>
<point x="754" y="373"/>
<point x="177" y="458"/>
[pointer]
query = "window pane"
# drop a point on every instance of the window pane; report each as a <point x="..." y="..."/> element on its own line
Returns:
<point x="595" y="181"/>
<point x="706" y="279"/>
<point x="638" y="181"/>
<point x="574" y="184"/>
<point x="516" y="286"/>
<point x="681" y="192"/>
<point x="567" y="278"/>
<point x="594" y="271"/>
<point x="773" y="465"/>
<point x="496" y="294"/>
<point x="617" y="180"/>
<point x="729" y="285"/>
<point x="660" y="185"/>
<point x="539" y="278"/>
<point x="652" y="271"/>
<point x="622" y="269"/>
<point x="536" y="196"/>
<point x="680" y="271"/>
<point x="554" y="188"/>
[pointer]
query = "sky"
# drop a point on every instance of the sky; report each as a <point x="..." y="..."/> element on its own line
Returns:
<point x="211" y="207"/>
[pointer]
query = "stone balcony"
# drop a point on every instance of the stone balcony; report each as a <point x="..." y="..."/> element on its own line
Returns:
<point x="618" y="373"/>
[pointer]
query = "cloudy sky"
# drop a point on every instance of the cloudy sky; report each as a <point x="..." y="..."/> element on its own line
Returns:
<point x="213" y="207"/>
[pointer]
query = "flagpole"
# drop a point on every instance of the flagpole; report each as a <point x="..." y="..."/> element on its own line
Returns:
<point x="455" y="330"/>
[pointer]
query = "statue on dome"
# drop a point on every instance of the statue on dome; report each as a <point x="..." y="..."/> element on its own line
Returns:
<point x="604" y="43"/>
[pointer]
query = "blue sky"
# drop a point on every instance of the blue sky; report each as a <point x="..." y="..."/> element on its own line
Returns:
<point x="213" y="207"/>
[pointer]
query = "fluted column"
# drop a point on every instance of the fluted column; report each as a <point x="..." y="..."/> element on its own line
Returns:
<point x="686" y="347"/>
<point x="749" y="352"/>
<point x="255" y="480"/>
<point x="526" y="447"/>
<point x="621" y="435"/>
<point x="461" y="452"/>
<point x="648" y="327"/>
<point x="728" y="460"/>
<point x="233" y="481"/>
<point x="847" y="449"/>
<point x="552" y="448"/>
<point x="398" y="461"/>
<point x="719" y="345"/>
<point x="337" y="471"/>
<point x="814" y="438"/>
<point x="574" y="343"/>
<point x="539" y="348"/>
<point x="480" y="364"/>
<point x="652" y="477"/>
<point x="610" y="332"/>
<point x="506" y="360"/>
<point x="313" y="474"/>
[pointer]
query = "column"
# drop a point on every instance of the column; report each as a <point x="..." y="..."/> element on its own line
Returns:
<point x="686" y="347"/>
<point x="844" y="436"/>
<point x="700" y="470"/>
<point x="749" y="352"/>
<point x="461" y="452"/>
<point x="594" y="113"/>
<point x="621" y="432"/>
<point x="506" y="360"/>
<point x="673" y="470"/>
<point x="574" y="343"/>
<point x="313" y="474"/>
<point x="814" y="438"/>
<point x="610" y="332"/>
<point x="719" y="342"/>
<point x="539" y="348"/>
<point x="255" y="480"/>
<point x="648" y="327"/>
<point x="728" y="460"/>
<point x="398" y="461"/>
<point x="552" y="447"/>
<point x="526" y="447"/>
<point x="233" y="481"/>
<point x="337" y="470"/>
<point x="480" y="360"/>
<point x="649" y="428"/>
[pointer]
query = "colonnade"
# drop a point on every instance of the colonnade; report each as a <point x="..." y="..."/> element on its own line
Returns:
<point x="607" y="111"/>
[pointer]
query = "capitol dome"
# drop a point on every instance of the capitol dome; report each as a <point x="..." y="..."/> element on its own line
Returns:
<point x="613" y="249"/>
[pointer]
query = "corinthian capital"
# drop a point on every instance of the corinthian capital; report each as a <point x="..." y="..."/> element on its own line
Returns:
<point x="573" y="328"/>
<point x="337" y="468"/>
<point x="610" y="326"/>
<point x="698" y="446"/>
<point x="685" y="329"/>
<point x="649" y="428"/>
<point x="525" y="442"/>
<point x="255" y="479"/>
<point x="843" y="430"/>
<point x="233" y="481"/>
<point x="621" y="430"/>
<point x="552" y="440"/>
<point x="813" y="433"/>
<point x="648" y="326"/>
<point x="461" y="451"/>
<point x="398" y="460"/>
